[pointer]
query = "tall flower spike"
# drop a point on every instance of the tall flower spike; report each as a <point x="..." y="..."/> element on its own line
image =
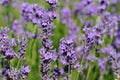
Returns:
<point x="47" y="53"/>
<point x="22" y="49"/>
<point x="66" y="52"/>
<point x="6" y="44"/>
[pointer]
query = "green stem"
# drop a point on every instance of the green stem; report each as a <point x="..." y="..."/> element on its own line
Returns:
<point x="18" y="63"/>
<point x="78" y="76"/>
<point x="88" y="73"/>
<point x="32" y="43"/>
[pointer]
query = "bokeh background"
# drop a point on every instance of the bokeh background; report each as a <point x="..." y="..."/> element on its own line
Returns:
<point x="12" y="12"/>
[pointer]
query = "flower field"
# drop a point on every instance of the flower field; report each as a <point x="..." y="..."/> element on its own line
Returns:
<point x="60" y="39"/>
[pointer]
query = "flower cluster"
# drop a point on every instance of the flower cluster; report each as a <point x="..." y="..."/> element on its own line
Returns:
<point x="6" y="44"/>
<point x="22" y="49"/>
<point x="5" y="2"/>
<point x="66" y="52"/>
<point x="8" y="53"/>
<point x="36" y="14"/>
<point x="47" y="53"/>
<point x="9" y="74"/>
<point x="89" y="48"/>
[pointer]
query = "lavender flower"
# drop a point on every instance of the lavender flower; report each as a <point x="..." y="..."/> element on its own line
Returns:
<point x="24" y="72"/>
<point x="53" y="3"/>
<point x="103" y="66"/>
<point x="113" y="58"/>
<point x="67" y="20"/>
<point x="66" y="52"/>
<point x="65" y="15"/>
<point x="17" y="28"/>
<point x="56" y="73"/>
<point x="22" y="49"/>
<point x="5" y="73"/>
<point x="91" y="57"/>
<point x="6" y="49"/>
<point x="46" y="77"/>
<point x="9" y="54"/>
<point x="117" y="38"/>
<point x="25" y="11"/>
<point x="32" y="35"/>
<point x="6" y="45"/>
<point x="84" y="8"/>
<point x="110" y="21"/>
<point x="46" y="57"/>
<point x="47" y="54"/>
<point x="114" y="1"/>
<point x="5" y="2"/>
<point x="79" y="51"/>
<point x="14" y="74"/>
<point x="103" y="4"/>
<point x="115" y="63"/>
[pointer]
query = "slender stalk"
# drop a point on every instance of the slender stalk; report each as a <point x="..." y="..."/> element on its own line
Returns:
<point x="88" y="73"/>
<point x="32" y="43"/>
<point x="18" y="63"/>
<point x="78" y="74"/>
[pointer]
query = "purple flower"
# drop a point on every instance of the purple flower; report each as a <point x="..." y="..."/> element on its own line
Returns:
<point x="5" y="2"/>
<point x="22" y="49"/>
<point x="9" y="54"/>
<point x="102" y="64"/>
<point x="47" y="55"/>
<point x="46" y="43"/>
<point x="46" y="77"/>
<point x="3" y="33"/>
<point x="14" y="74"/>
<point x="66" y="52"/>
<point x="114" y="1"/>
<point x="6" y="73"/>
<point x="17" y="28"/>
<point x="62" y="71"/>
<point x="65" y="15"/>
<point x="67" y="20"/>
<point x="79" y="51"/>
<point x="56" y="73"/>
<point x="108" y="50"/>
<point x="91" y="9"/>
<point x="84" y="8"/>
<point x="78" y="67"/>
<point x="32" y="35"/>
<point x="45" y="65"/>
<point x="24" y="72"/>
<point x="91" y="57"/>
<point x="53" y="3"/>
<point x="25" y="11"/>
<point x="31" y="12"/>
<point x="7" y="44"/>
